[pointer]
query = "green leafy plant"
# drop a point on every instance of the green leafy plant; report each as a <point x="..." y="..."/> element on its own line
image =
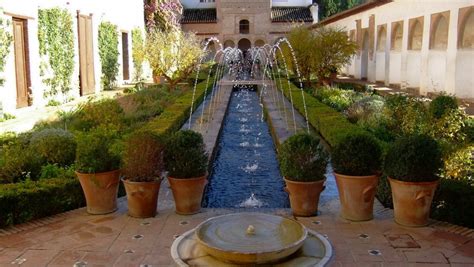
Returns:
<point x="365" y="108"/>
<point x="138" y="53"/>
<point x="357" y="155"/>
<point x="54" y="146"/>
<point x="108" y="52"/>
<point x="105" y="112"/>
<point x="408" y="115"/>
<point x="56" y="44"/>
<point x="95" y="151"/>
<point x="172" y="55"/>
<point x="143" y="157"/>
<point x="442" y="104"/>
<point x="49" y="171"/>
<point x="302" y="158"/>
<point x="414" y="158"/>
<point x="6" y="39"/>
<point x="185" y="155"/>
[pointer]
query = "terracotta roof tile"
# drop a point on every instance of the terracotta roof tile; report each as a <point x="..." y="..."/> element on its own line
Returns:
<point x="288" y="14"/>
<point x="207" y="15"/>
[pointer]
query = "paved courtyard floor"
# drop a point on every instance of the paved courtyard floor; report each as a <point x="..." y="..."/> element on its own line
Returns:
<point x="76" y="238"/>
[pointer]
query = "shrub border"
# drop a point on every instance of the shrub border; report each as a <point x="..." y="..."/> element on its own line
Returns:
<point x="23" y="202"/>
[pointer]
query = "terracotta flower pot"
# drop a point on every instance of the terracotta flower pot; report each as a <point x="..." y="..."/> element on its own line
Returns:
<point x="187" y="194"/>
<point x="356" y="194"/>
<point x="142" y="198"/>
<point x="304" y="196"/>
<point x="412" y="201"/>
<point x="100" y="190"/>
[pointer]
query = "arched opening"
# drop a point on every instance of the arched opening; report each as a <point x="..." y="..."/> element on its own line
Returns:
<point x="229" y="43"/>
<point x="259" y="43"/>
<point x="364" y="62"/>
<point x="244" y="44"/>
<point x="381" y="39"/>
<point x="466" y="32"/>
<point x="397" y="36"/>
<point x="439" y="33"/>
<point x="415" y="38"/>
<point x="244" y="26"/>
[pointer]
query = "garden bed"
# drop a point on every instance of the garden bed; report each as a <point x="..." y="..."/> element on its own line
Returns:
<point x="346" y="111"/>
<point x="31" y="187"/>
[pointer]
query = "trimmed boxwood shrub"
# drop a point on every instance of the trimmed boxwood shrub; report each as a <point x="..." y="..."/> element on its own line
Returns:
<point x="302" y="158"/>
<point x="54" y="146"/>
<point x="185" y="155"/>
<point x="357" y="155"/>
<point x="22" y="202"/>
<point x="442" y="104"/>
<point x="414" y="158"/>
<point x="95" y="151"/>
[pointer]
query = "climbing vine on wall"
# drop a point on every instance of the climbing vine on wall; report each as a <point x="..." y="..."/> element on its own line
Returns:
<point x="56" y="47"/>
<point x="138" y="53"/>
<point x="108" y="52"/>
<point x="5" y="42"/>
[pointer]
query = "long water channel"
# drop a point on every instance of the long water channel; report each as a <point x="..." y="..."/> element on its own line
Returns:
<point x="245" y="172"/>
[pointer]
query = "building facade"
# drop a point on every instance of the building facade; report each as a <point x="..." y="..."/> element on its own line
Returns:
<point x="425" y="46"/>
<point x="245" y="24"/>
<point x="24" y="85"/>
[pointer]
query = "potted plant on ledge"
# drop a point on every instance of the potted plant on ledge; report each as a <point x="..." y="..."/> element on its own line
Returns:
<point x="412" y="164"/>
<point x="303" y="164"/>
<point x="186" y="162"/>
<point x="142" y="168"/>
<point x="97" y="167"/>
<point x="357" y="165"/>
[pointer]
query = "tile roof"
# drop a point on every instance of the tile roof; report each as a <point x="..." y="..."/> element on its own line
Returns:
<point x="288" y="14"/>
<point x="207" y="15"/>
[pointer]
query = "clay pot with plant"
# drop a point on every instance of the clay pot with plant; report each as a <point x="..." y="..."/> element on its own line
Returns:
<point x="357" y="166"/>
<point x="186" y="161"/>
<point x="142" y="165"/>
<point x="412" y="164"/>
<point x="303" y="163"/>
<point x="97" y="167"/>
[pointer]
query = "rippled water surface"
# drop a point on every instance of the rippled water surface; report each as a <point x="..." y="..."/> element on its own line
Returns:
<point x="245" y="171"/>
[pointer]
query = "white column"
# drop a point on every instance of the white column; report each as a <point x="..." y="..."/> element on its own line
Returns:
<point x="425" y="49"/>
<point x="404" y="54"/>
<point x="451" y="52"/>
<point x="387" y="53"/>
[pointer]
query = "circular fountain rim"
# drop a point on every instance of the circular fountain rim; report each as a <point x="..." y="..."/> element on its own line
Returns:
<point x="323" y="239"/>
<point x="297" y="243"/>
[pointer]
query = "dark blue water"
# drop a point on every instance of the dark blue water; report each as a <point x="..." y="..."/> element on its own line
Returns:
<point x="245" y="172"/>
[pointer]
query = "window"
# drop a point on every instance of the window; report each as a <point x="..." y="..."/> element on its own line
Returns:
<point x="439" y="31"/>
<point x="244" y="26"/>
<point x="381" y="38"/>
<point x="397" y="36"/>
<point x="415" y="39"/>
<point x="466" y="29"/>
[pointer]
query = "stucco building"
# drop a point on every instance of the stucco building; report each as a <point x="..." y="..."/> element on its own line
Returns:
<point x="246" y="23"/>
<point x="24" y="85"/>
<point x="425" y="46"/>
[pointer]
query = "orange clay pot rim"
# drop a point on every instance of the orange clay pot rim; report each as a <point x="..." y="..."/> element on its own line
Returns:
<point x="125" y="180"/>
<point x="356" y="176"/>
<point x="191" y="178"/>
<point x="300" y="182"/>
<point x="412" y="183"/>
<point x="95" y="173"/>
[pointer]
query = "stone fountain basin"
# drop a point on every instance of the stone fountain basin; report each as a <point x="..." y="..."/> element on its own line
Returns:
<point x="227" y="238"/>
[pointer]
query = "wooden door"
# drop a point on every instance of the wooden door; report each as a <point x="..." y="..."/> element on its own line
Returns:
<point x="125" y="60"/>
<point x="20" y="34"/>
<point x="86" y="55"/>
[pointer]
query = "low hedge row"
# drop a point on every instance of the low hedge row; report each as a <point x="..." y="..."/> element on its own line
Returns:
<point x="330" y="123"/>
<point x="26" y="201"/>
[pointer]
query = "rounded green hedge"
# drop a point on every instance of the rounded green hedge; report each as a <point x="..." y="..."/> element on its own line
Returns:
<point x="414" y="158"/>
<point x="54" y="146"/>
<point x="302" y="158"/>
<point x="357" y="155"/>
